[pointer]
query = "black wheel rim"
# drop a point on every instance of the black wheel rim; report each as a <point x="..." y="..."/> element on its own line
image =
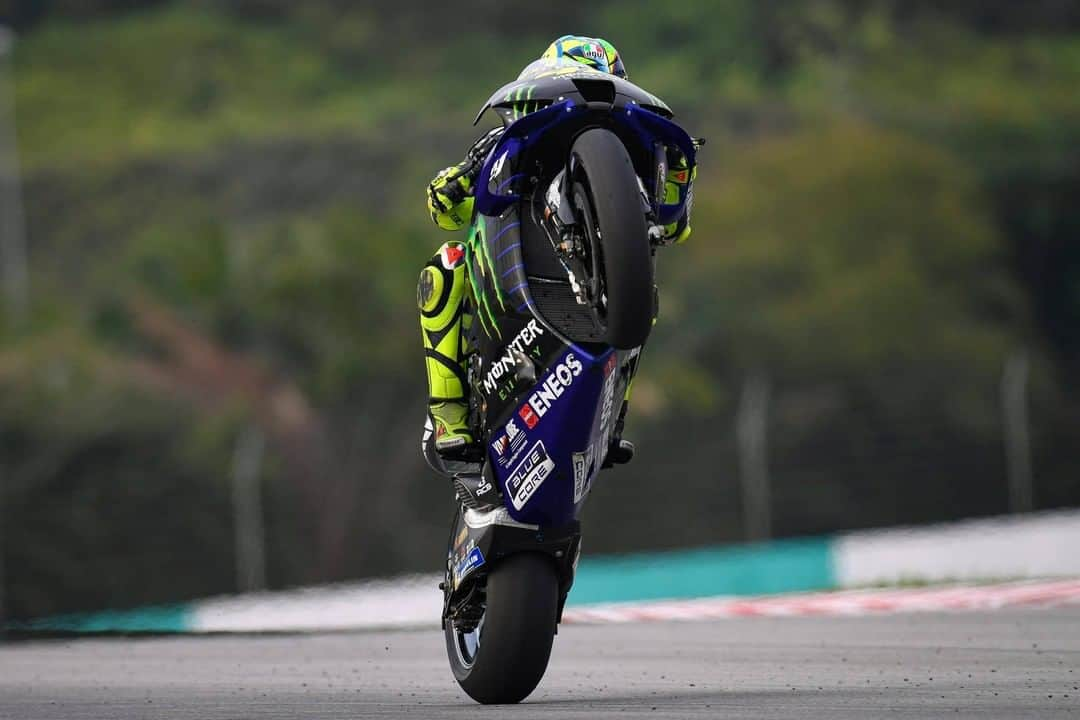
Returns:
<point x="583" y="205"/>
<point x="467" y="644"/>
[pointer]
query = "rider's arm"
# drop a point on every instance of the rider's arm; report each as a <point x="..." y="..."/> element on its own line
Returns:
<point x="450" y="193"/>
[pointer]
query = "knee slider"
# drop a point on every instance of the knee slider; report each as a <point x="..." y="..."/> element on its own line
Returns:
<point x="430" y="289"/>
<point x="442" y="283"/>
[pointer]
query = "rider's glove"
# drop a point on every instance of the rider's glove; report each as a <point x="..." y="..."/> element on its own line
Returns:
<point x="450" y="200"/>
<point x="450" y="194"/>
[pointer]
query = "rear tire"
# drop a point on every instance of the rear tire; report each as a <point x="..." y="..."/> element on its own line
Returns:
<point x="607" y="179"/>
<point x="516" y="633"/>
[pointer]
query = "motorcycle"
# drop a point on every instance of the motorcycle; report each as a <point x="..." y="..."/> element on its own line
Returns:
<point x="569" y="209"/>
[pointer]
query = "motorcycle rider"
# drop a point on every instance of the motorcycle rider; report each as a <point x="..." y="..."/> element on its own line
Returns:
<point x="443" y="292"/>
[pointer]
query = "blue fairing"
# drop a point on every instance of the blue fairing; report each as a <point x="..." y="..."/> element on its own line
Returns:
<point x="547" y="455"/>
<point x="511" y="144"/>
<point x="647" y="126"/>
<point x="650" y="128"/>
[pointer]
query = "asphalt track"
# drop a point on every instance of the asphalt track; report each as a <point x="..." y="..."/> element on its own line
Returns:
<point x="1004" y="664"/>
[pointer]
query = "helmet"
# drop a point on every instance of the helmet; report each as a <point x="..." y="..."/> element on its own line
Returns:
<point x="592" y="52"/>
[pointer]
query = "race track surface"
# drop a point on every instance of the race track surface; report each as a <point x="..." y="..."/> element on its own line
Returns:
<point x="1005" y="664"/>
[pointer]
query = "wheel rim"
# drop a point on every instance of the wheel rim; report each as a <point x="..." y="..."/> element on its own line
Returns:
<point x="467" y="644"/>
<point x="592" y="232"/>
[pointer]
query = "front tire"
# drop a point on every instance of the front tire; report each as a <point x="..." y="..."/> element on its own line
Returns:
<point x="505" y="658"/>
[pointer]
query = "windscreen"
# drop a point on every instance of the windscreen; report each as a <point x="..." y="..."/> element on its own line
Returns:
<point x="557" y="67"/>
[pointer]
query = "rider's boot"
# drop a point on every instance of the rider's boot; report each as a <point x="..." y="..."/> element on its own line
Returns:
<point x="450" y="423"/>
<point x="620" y="453"/>
<point x="444" y="318"/>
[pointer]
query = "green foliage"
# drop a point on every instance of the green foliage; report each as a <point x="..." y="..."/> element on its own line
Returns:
<point x="104" y="488"/>
<point x="849" y="249"/>
<point x="172" y="81"/>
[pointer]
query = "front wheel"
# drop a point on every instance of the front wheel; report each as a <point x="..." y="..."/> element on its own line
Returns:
<point x="503" y="659"/>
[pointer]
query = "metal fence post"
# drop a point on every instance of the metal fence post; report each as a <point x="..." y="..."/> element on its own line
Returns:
<point x="3" y="530"/>
<point x="250" y="547"/>
<point x="751" y="430"/>
<point x="1014" y="410"/>
<point x="14" y="275"/>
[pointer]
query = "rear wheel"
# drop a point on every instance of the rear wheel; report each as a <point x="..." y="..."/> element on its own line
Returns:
<point x="504" y="657"/>
<point x="607" y="200"/>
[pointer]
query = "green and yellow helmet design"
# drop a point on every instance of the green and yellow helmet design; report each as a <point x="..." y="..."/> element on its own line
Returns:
<point x="594" y="52"/>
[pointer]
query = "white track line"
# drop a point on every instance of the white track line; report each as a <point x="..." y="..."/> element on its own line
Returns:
<point x="848" y="603"/>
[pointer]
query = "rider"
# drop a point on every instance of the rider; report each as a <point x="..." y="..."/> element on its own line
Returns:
<point x="443" y="292"/>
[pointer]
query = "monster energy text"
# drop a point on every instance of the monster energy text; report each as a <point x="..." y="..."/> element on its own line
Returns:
<point x="505" y="364"/>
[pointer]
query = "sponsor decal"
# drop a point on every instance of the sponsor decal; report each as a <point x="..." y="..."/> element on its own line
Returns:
<point x="505" y="388"/>
<point x="607" y="403"/>
<point x="498" y="166"/>
<point x="526" y="413"/>
<point x="530" y="473"/>
<point x="453" y="254"/>
<point x="504" y="367"/>
<point x="472" y="560"/>
<point x="484" y="487"/>
<point x="612" y="361"/>
<point x="508" y="446"/>
<point x="512" y="430"/>
<point x="559" y="379"/>
<point x="595" y="51"/>
<point x="462" y="537"/>
<point x="425" y="289"/>
<point x="583" y="463"/>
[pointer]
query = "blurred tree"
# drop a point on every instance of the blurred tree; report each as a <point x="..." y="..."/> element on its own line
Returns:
<point x="25" y="13"/>
<point x="848" y="249"/>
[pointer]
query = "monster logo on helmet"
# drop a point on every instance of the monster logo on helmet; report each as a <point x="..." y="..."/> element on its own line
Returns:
<point x="593" y="52"/>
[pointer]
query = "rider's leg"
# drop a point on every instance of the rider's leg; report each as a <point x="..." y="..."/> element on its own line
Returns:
<point x="679" y="175"/>
<point x="621" y="451"/>
<point x="441" y="296"/>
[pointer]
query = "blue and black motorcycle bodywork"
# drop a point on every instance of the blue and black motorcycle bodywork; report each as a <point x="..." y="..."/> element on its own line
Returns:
<point x="549" y="368"/>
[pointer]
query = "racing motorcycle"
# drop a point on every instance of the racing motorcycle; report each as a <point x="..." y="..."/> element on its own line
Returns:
<point x="569" y="209"/>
